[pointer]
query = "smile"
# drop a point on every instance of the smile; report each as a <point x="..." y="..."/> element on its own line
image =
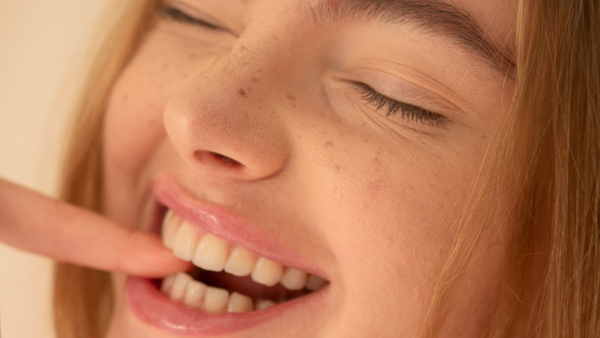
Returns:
<point x="242" y="277"/>
<point x="220" y="282"/>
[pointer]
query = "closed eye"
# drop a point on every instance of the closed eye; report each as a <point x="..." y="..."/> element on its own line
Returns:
<point x="178" y="15"/>
<point x="393" y="107"/>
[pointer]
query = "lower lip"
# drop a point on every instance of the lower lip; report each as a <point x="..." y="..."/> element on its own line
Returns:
<point x="154" y="308"/>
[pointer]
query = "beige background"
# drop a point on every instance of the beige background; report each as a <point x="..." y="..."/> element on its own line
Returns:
<point x="41" y="44"/>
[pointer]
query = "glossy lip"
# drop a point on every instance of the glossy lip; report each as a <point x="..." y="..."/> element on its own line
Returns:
<point x="222" y="223"/>
<point x="156" y="309"/>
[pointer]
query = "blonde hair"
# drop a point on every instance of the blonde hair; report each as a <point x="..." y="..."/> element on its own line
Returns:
<point x="551" y="274"/>
<point x="82" y="296"/>
<point x="555" y="227"/>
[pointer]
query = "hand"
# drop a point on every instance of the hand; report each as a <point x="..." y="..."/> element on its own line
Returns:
<point x="45" y="226"/>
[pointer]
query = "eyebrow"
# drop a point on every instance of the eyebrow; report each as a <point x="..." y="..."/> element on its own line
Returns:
<point x="432" y="16"/>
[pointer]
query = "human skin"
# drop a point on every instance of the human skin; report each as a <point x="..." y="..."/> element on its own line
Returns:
<point x="369" y="200"/>
<point x="67" y="233"/>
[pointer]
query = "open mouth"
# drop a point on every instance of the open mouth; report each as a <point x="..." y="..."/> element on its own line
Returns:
<point x="228" y="277"/>
<point x="243" y="277"/>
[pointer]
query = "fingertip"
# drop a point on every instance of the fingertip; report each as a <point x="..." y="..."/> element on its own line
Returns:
<point x="149" y="258"/>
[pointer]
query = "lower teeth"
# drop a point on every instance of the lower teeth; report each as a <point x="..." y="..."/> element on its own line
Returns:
<point x="183" y="288"/>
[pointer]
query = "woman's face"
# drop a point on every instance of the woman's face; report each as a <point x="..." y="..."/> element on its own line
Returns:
<point x="339" y="138"/>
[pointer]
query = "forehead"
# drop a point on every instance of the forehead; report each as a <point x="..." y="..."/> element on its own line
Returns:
<point x="497" y="18"/>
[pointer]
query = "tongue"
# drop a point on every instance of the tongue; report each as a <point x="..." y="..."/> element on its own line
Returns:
<point x="246" y="286"/>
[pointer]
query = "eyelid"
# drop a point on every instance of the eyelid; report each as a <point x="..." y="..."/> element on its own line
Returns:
<point x="190" y="14"/>
<point x="394" y="84"/>
<point x="406" y="110"/>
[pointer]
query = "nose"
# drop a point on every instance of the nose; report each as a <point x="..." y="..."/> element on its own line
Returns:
<point x="225" y="123"/>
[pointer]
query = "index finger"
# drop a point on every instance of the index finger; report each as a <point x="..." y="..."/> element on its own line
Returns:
<point x="45" y="226"/>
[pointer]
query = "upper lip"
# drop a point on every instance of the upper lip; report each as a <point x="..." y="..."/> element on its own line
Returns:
<point x="223" y="223"/>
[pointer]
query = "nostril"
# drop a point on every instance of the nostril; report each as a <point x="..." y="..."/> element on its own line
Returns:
<point x="226" y="160"/>
<point x="210" y="157"/>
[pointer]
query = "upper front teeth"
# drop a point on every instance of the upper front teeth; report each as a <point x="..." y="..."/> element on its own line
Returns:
<point x="214" y="254"/>
<point x="211" y="253"/>
<point x="240" y="262"/>
<point x="185" y="242"/>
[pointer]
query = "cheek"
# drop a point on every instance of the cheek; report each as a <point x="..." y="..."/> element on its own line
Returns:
<point x="134" y="121"/>
<point x="132" y="131"/>
<point x="133" y="126"/>
<point x="389" y="211"/>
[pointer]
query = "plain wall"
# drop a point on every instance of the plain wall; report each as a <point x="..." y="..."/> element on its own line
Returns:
<point x="41" y="45"/>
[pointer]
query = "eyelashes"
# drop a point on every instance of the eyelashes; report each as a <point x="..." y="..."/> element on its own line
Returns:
<point x="393" y="107"/>
<point x="178" y="15"/>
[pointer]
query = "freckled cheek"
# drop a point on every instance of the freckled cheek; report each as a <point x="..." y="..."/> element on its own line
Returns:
<point x="133" y="127"/>
<point x="395" y="215"/>
<point x="136" y="105"/>
<point x="134" y="120"/>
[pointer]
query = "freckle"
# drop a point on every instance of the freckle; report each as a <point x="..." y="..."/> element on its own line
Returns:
<point x="337" y="167"/>
<point x="291" y="97"/>
<point x="192" y="55"/>
<point x="253" y="79"/>
<point x="328" y="144"/>
<point x="366" y="140"/>
<point x="377" y="160"/>
<point x="242" y="92"/>
<point x="373" y="188"/>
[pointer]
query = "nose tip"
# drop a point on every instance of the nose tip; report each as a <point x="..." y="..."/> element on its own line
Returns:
<point x="223" y="133"/>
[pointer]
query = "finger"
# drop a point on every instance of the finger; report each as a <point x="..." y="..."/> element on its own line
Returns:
<point x="45" y="226"/>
